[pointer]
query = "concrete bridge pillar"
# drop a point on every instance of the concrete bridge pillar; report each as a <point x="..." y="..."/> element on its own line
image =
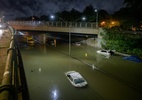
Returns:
<point x="55" y="42"/>
<point x="95" y="41"/>
<point x="99" y="39"/>
<point x="42" y="38"/>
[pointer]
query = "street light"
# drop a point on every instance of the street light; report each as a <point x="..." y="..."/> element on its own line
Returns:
<point x="96" y="11"/>
<point x="83" y="18"/>
<point x="53" y="17"/>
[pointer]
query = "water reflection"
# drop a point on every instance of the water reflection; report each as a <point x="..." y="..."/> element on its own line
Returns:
<point x="54" y="93"/>
<point x="48" y="82"/>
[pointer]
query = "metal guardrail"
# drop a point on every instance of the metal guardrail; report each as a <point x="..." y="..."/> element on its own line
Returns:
<point x="54" y="23"/>
<point x="14" y="85"/>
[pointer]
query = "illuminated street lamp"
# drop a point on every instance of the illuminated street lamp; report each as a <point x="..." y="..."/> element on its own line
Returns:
<point x="83" y="19"/>
<point x="103" y="23"/>
<point x="53" y="17"/>
<point x="96" y="11"/>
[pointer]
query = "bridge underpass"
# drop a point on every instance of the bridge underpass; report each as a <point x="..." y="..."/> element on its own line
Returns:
<point x="70" y="30"/>
<point x="51" y="26"/>
<point x="60" y="35"/>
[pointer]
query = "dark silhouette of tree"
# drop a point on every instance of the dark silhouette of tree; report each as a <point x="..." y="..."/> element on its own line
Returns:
<point x="135" y="7"/>
<point x="133" y="3"/>
<point x="44" y="18"/>
<point x="131" y="15"/>
<point x="89" y="13"/>
<point x="63" y="16"/>
<point x="73" y="15"/>
<point x="103" y="15"/>
<point x="126" y="18"/>
<point x="89" y="10"/>
<point x="76" y="15"/>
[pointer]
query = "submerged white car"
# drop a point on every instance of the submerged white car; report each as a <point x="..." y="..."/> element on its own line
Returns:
<point x="106" y="52"/>
<point x="78" y="44"/>
<point x="76" y="79"/>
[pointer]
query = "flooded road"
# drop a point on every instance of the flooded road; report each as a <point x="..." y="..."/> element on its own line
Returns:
<point x="114" y="78"/>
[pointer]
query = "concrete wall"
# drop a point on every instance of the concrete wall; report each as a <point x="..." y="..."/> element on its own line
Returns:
<point x="95" y="42"/>
<point x="99" y="39"/>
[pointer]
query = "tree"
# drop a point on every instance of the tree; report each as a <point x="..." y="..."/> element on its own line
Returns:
<point x="135" y="7"/>
<point x="89" y="13"/>
<point x="75" y="14"/>
<point x="89" y="10"/>
<point x="133" y="3"/>
<point x="103" y="15"/>
<point x="44" y="18"/>
<point x="122" y="42"/>
<point x="64" y="16"/>
<point x="126" y="18"/>
<point x="130" y="15"/>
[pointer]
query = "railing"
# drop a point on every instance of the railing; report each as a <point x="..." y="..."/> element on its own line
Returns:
<point x="54" y="24"/>
<point x="14" y="85"/>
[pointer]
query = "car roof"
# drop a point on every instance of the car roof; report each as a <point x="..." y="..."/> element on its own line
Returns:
<point x="75" y="75"/>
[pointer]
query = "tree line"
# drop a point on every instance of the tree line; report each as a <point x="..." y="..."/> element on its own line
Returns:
<point x="128" y="16"/>
<point x="123" y="38"/>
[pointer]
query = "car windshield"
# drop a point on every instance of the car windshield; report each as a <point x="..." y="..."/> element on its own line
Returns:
<point x="79" y="80"/>
<point x="103" y="51"/>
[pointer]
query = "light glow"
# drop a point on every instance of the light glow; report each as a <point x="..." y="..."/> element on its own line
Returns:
<point x="1" y="33"/>
<point x="54" y="93"/>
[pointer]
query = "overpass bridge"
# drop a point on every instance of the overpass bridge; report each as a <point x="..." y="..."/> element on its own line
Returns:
<point x="54" y="26"/>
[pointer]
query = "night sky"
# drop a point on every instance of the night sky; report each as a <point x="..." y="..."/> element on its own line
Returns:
<point x="24" y="8"/>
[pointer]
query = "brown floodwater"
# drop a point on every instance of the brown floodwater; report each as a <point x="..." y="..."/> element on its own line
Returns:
<point x="111" y="79"/>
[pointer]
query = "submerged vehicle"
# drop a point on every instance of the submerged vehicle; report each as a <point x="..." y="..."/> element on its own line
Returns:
<point x="30" y="40"/>
<point x="133" y="58"/>
<point x="106" y="52"/>
<point x="76" y="79"/>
